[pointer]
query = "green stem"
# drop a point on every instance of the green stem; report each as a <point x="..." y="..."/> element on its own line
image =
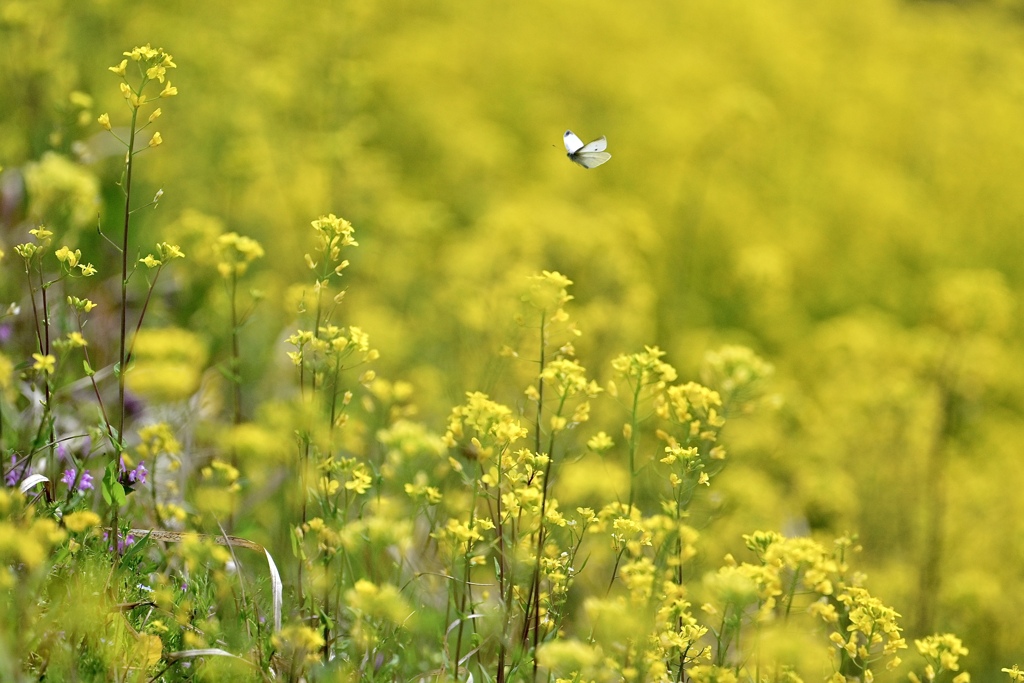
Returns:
<point x="792" y="593"/>
<point x="506" y="623"/>
<point x="123" y="346"/>
<point x="466" y="590"/>
<point x="236" y="361"/>
<point x="236" y="383"/>
<point x="48" y="410"/>
<point x="633" y="439"/>
<point x="534" y="602"/>
<point x="721" y="653"/>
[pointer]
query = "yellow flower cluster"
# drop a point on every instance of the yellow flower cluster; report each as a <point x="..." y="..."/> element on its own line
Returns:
<point x="378" y="602"/>
<point x="330" y="349"/>
<point x="72" y="259"/>
<point x="487" y="425"/>
<point x="164" y="252"/>
<point x="25" y="539"/>
<point x="645" y="368"/>
<point x="332" y="235"/>
<point x="157" y="439"/>
<point x="234" y="253"/>
<point x="942" y="652"/>
<point x="153" y="65"/>
<point x="548" y="292"/>
<point x="299" y="644"/>
<point x="218" y="487"/>
<point x="569" y="380"/>
<point x="328" y="540"/>
<point x="168" y="363"/>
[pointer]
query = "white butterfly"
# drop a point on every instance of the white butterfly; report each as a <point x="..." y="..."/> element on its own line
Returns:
<point x="589" y="155"/>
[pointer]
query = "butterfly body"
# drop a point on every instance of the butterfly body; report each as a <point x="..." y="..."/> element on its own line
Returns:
<point x="589" y="155"/>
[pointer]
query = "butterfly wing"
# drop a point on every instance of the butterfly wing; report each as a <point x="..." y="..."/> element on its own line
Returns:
<point x="598" y="145"/>
<point x="572" y="142"/>
<point x="590" y="159"/>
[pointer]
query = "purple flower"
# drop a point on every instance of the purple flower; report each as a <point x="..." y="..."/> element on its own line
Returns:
<point x="13" y="475"/>
<point x="84" y="484"/>
<point x="122" y="542"/>
<point x="138" y="475"/>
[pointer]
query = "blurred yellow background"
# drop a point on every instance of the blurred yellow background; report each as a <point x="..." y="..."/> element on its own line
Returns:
<point x="836" y="185"/>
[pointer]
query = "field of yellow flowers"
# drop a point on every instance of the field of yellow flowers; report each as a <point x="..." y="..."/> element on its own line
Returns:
<point x="319" y="361"/>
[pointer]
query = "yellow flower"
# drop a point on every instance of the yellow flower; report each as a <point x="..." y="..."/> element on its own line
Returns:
<point x="329" y="487"/>
<point x="645" y="367"/>
<point x="172" y="511"/>
<point x="1016" y="675"/>
<point x="600" y="442"/>
<point x="301" y="642"/>
<point x="77" y="340"/>
<point x="157" y="72"/>
<point x="68" y="257"/>
<point x="76" y="522"/>
<point x="43" y="363"/>
<point x="169" y="251"/>
<point x="146" y="52"/>
<point x="547" y="292"/>
<point x="81" y="304"/>
<point x="156" y="140"/>
<point x="157" y="626"/>
<point x="120" y="71"/>
<point x="42" y="234"/>
<point x="104" y="121"/>
<point x="360" y="481"/>
<point x="383" y="602"/>
<point x="158" y="438"/>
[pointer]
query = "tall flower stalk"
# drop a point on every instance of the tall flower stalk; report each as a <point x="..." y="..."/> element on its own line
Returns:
<point x="44" y="361"/>
<point x="234" y="254"/>
<point x="151" y="66"/>
<point x="329" y="483"/>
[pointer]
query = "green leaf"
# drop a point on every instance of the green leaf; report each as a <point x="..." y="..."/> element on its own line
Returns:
<point x="297" y="549"/>
<point x="113" y="491"/>
<point x="326" y="619"/>
<point x="134" y="549"/>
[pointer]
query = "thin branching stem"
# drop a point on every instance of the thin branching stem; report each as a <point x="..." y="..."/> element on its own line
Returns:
<point x="123" y="340"/>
